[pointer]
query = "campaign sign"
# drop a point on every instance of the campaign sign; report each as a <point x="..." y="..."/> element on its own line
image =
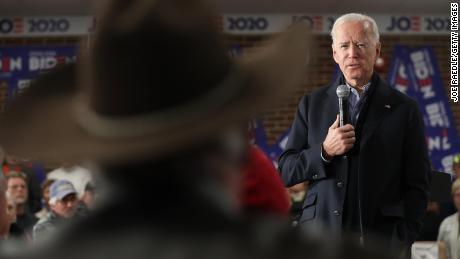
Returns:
<point x="39" y="26"/>
<point x="20" y="64"/>
<point x="415" y="72"/>
<point x="258" y="137"/>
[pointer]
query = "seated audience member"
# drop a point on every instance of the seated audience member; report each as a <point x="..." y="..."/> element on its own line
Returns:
<point x="448" y="208"/>
<point x="15" y="231"/>
<point x="43" y="213"/>
<point x="4" y="216"/>
<point x="89" y="197"/>
<point x="86" y="203"/>
<point x="263" y="191"/>
<point x="63" y="204"/>
<point x="449" y="229"/>
<point x="431" y="222"/>
<point x="15" y="164"/>
<point x="297" y="195"/>
<point x="17" y="190"/>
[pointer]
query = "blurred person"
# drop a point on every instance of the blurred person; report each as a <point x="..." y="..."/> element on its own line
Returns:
<point x="5" y="219"/>
<point x="158" y="106"/>
<point x="12" y="163"/>
<point x="17" y="190"/>
<point x="14" y="230"/>
<point x="89" y="197"/>
<point x="449" y="229"/>
<point x="447" y="208"/>
<point x="368" y="179"/>
<point x="262" y="191"/>
<point x="79" y="176"/>
<point x="297" y="194"/>
<point x="11" y="209"/>
<point x="87" y="202"/>
<point x="43" y="213"/>
<point x="456" y="166"/>
<point x="63" y="203"/>
<point x="431" y="222"/>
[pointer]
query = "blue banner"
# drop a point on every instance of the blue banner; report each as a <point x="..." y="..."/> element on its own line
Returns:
<point x="20" y="64"/>
<point x="415" y="72"/>
<point x="397" y="76"/>
<point x="259" y="138"/>
<point x="257" y="135"/>
<point x="235" y="51"/>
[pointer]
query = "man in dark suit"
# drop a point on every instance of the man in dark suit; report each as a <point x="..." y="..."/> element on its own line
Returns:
<point x="368" y="178"/>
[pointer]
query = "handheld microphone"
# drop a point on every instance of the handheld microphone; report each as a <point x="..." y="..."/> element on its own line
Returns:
<point x="343" y="92"/>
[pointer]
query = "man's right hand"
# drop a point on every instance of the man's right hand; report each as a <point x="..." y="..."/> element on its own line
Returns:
<point x="338" y="140"/>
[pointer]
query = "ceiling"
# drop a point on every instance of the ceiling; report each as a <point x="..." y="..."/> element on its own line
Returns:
<point x="84" y="7"/>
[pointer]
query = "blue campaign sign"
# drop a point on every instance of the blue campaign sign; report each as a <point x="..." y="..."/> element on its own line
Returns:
<point x="278" y="147"/>
<point x="415" y="72"/>
<point x="259" y="138"/>
<point x="20" y="64"/>
<point x="397" y="76"/>
<point x="235" y="51"/>
<point x="337" y="73"/>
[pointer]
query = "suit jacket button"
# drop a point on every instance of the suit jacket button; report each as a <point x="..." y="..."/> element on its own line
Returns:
<point x="340" y="184"/>
<point x="336" y="212"/>
<point x="315" y="176"/>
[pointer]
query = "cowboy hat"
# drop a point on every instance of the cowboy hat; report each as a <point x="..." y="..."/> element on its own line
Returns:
<point x="155" y="79"/>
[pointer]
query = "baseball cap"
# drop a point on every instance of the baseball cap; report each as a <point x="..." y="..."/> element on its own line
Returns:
<point x="60" y="189"/>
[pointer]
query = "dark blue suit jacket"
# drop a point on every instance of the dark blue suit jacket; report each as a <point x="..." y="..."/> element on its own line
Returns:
<point x="394" y="169"/>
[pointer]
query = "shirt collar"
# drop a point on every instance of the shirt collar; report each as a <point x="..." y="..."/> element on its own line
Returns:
<point x="355" y="92"/>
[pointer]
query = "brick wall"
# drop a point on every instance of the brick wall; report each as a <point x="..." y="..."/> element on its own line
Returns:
<point x="277" y="121"/>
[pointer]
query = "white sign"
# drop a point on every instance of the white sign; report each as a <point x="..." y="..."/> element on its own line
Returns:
<point x="322" y="23"/>
<point x="45" y="26"/>
<point x="230" y="23"/>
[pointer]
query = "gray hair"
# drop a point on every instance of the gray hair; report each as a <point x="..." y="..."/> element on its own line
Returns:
<point x="369" y="24"/>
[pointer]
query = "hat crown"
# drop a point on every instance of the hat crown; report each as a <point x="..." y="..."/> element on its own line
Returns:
<point x="150" y="56"/>
<point x="61" y="188"/>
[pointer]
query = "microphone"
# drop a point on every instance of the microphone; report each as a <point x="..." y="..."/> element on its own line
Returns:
<point x="343" y="92"/>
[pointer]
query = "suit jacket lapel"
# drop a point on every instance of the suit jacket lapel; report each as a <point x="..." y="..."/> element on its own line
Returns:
<point x="379" y="107"/>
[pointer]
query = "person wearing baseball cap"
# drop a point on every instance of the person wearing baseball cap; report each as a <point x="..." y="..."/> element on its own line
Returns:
<point x="63" y="204"/>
